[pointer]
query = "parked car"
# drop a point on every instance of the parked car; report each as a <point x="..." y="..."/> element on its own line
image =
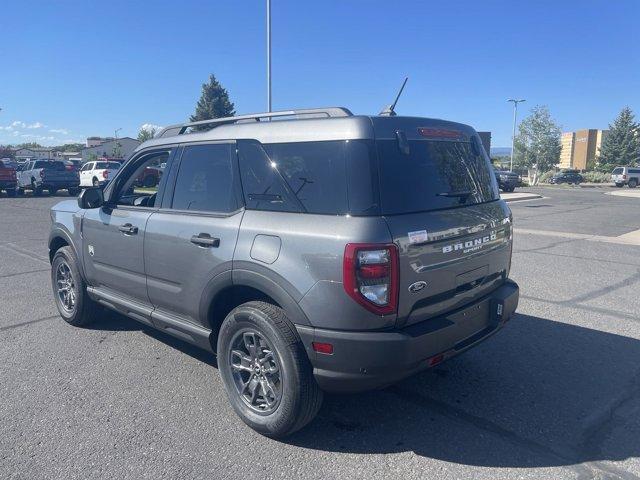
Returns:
<point x="97" y="174"/>
<point x="507" y="181"/>
<point x="333" y="253"/>
<point x="73" y="165"/>
<point x="50" y="175"/>
<point x="568" y="176"/>
<point x="150" y="177"/>
<point x="626" y="176"/>
<point x="8" y="178"/>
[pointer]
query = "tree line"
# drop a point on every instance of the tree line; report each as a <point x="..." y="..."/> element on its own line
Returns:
<point x="537" y="144"/>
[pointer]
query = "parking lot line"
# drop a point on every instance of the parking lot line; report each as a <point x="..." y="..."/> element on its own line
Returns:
<point x="630" y="238"/>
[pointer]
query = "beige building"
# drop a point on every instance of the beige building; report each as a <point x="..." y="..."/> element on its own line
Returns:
<point x="581" y="148"/>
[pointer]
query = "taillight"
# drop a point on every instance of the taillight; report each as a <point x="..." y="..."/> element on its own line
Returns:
<point x="42" y="173"/>
<point x="624" y="177"/>
<point x="370" y="276"/>
<point x="105" y="174"/>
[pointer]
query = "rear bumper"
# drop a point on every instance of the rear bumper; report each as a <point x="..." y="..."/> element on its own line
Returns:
<point x="369" y="360"/>
<point x="8" y="184"/>
<point x="59" y="184"/>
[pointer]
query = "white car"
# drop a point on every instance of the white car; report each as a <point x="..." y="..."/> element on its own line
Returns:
<point x="98" y="173"/>
<point x="629" y="176"/>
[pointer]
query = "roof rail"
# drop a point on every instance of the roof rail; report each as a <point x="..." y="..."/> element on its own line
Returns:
<point x="180" y="129"/>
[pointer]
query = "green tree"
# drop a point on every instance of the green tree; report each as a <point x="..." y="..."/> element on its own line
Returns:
<point x="537" y="145"/>
<point x="146" y="133"/>
<point x="621" y="146"/>
<point x="214" y="102"/>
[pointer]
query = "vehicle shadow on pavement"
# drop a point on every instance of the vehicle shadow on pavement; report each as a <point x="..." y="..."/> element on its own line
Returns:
<point x="540" y="393"/>
<point x="108" y="320"/>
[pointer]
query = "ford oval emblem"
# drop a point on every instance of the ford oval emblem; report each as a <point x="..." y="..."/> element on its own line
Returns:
<point x="417" y="286"/>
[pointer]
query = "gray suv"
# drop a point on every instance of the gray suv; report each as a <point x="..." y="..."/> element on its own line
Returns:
<point x="310" y="250"/>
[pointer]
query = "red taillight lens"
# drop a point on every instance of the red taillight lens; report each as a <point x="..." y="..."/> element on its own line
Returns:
<point x="105" y="174"/>
<point x="370" y="276"/>
<point x="624" y="177"/>
<point x="320" y="347"/>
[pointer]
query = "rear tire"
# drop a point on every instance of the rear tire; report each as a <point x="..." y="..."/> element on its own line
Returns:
<point x="281" y="399"/>
<point x="95" y="182"/>
<point x="70" y="290"/>
<point x="53" y="191"/>
<point x="73" y="192"/>
<point x="633" y="183"/>
<point x="11" y="192"/>
<point x="619" y="185"/>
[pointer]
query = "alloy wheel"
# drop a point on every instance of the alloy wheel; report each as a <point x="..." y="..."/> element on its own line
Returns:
<point x="66" y="287"/>
<point x="256" y="371"/>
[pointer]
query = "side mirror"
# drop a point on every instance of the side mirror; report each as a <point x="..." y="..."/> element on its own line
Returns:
<point x="91" y="198"/>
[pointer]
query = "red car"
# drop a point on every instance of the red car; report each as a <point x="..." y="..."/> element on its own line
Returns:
<point x="8" y="178"/>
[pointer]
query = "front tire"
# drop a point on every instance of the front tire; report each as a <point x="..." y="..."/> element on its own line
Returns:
<point x="265" y="370"/>
<point x="70" y="290"/>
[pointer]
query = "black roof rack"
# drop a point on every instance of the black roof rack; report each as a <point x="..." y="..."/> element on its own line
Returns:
<point x="256" y="117"/>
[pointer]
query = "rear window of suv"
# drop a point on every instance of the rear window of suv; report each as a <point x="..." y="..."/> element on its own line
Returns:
<point x="435" y="174"/>
<point x="107" y="166"/>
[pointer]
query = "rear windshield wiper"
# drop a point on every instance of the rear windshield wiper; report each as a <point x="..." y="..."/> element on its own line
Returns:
<point x="459" y="193"/>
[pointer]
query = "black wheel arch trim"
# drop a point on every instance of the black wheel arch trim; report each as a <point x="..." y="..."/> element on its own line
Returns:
<point x="274" y="285"/>
<point x="59" y="232"/>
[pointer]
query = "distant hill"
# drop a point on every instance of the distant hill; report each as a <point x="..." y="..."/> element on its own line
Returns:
<point x="500" y="151"/>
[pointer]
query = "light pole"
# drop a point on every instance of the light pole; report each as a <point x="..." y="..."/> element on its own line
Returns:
<point x="515" y="116"/>
<point x="269" y="55"/>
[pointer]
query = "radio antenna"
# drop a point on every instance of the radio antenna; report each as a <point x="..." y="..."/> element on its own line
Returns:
<point x="390" y="110"/>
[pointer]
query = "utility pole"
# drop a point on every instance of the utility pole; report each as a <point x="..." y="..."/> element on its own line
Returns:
<point x="515" y="116"/>
<point x="269" y="55"/>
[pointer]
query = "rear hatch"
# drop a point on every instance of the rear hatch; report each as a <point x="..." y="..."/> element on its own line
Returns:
<point x="440" y="199"/>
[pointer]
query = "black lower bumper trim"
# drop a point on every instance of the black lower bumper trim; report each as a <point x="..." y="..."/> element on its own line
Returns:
<point x="368" y="360"/>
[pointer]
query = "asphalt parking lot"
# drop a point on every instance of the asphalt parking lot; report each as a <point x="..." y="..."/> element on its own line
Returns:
<point x="555" y="395"/>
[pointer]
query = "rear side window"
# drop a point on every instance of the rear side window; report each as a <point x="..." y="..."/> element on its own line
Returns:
<point x="332" y="177"/>
<point x="617" y="171"/>
<point x="205" y="180"/>
<point x="435" y="174"/>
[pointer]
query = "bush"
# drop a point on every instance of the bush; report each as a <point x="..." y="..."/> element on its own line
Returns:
<point x="546" y="176"/>
<point x="596" y="177"/>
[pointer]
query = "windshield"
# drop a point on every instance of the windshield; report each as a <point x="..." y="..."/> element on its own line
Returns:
<point x="435" y="174"/>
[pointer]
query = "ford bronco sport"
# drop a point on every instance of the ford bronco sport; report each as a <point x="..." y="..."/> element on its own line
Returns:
<point x="310" y="250"/>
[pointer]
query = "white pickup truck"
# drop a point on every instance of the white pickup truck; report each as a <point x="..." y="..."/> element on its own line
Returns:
<point x="98" y="173"/>
<point x="50" y="175"/>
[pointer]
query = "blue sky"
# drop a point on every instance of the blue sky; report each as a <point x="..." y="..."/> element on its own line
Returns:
<point x="72" y="69"/>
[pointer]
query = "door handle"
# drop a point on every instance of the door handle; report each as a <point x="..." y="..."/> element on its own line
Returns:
<point x="205" y="240"/>
<point x="128" y="229"/>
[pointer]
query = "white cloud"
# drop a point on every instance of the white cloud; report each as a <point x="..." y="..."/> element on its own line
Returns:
<point x="61" y="131"/>
<point x="19" y="124"/>
<point x="35" y="125"/>
<point x="150" y="126"/>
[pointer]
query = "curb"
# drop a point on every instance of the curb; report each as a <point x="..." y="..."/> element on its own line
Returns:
<point x="518" y="197"/>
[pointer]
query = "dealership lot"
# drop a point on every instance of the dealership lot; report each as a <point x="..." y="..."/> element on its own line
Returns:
<point x="556" y="394"/>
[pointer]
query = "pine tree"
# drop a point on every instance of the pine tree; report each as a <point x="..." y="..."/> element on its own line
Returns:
<point x="214" y="102"/>
<point x="621" y="146"/>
